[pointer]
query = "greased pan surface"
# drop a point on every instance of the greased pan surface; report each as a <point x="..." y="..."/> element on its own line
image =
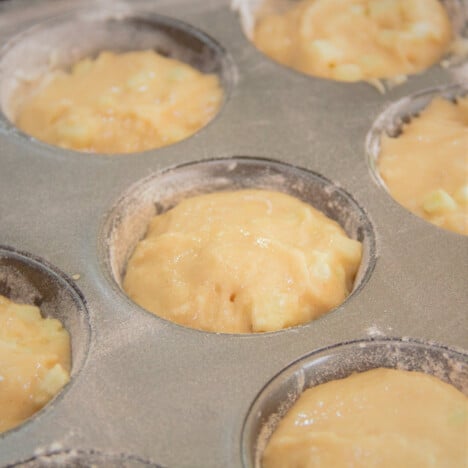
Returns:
<point x="166" y="395"/>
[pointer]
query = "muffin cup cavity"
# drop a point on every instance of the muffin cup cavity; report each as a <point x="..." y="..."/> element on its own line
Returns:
<point x="337" y="362"/>
<point x="61" y="41"/>
<point x="127" y="221"/>
<point x="30" y="280"/>
<point x="390" y="122"/>
<point x="250" y="10"/>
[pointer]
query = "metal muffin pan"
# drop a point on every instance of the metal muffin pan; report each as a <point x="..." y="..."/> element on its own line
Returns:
<point x="145" y="389"/>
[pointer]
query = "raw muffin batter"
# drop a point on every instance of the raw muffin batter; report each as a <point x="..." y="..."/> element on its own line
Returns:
<point x="121" y="103"/>
<point x="426" y="167"/>
<point x="352" y="40"/>
<point x="381" y="418"/>
<point x="34" y="361"/>
<point x="243" y="261"/>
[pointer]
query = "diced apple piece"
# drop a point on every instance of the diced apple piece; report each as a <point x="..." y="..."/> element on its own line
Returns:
<point x="78" y="133"/>
<point x="438" y="201"/>
<point x="348" y="72"/>
<point x="52" y="382"/>
<point x="140" y="80"/>
<point x="270" y="311"/>
<point x="327" y="51"/>
<point x="423" y="30"/>
<point x="178" y="74"/>
<point x="461" y="195"/>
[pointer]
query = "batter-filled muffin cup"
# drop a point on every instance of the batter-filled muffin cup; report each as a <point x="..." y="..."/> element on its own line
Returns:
<point x="112" y="82"/>
<point x="418" y="150"/>
<point x="385" y="402"/>
<point x="358" y="39"/>
<point x="44" y="335"/>
<point x="239" y="245"/>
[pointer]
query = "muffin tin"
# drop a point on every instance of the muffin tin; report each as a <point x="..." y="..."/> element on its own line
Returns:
<point x="145" y="391"/>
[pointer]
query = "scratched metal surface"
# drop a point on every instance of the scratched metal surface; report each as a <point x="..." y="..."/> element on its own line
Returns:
<point x="160" y="393"/>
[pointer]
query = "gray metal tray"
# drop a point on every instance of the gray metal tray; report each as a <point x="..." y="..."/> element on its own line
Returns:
<point x="147" y="391"/>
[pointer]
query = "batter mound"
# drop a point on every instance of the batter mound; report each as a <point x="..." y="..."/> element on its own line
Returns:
<point x="34" y="361"/>
<point x="426" y="167"/>
<point x="243" y="261"/>
<point x="381" y="418"/>
<point x="352" y="40"/>
<point x="121" y="103"/>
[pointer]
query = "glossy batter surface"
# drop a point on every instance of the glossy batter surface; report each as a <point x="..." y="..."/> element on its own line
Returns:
<point x="382" y="418"/>
<point x="426" y="167"/>
<point x="34" y="361"/>
<point x="352" y="40"/>
<point x="121" y="103"/>
<point x="240" y="262"/>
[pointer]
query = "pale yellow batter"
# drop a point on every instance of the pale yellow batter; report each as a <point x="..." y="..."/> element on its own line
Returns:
<point x="382" y="418"/>
<point x="241" y="262"/>
<point x="121" y="103"/>
<point x="426" y="168"/>
<point x="34" y="361"/>
<point x="352" y="40"/>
